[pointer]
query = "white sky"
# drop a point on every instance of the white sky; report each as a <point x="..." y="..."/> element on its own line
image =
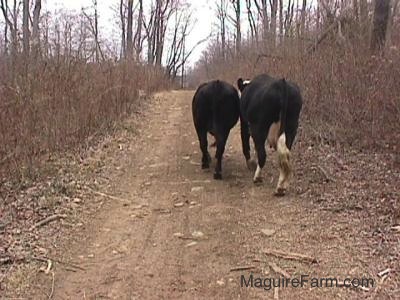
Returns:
<point x="203" y="13"/>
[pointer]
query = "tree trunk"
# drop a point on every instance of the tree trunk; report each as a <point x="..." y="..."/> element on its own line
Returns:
<point x="280" y="21"/>
<point x="364" y="20"/>
<point x="35" y="29"/>
<point x="129" y="34"/>
<point x="274" y="9"/>
<point x="393" y="12"/>
<point x="381" y="18"/>
<point x="96" y="31"/>
<point x="123" y="33"/>
<point x="303" y="18"/>
<point x="253" y="28"/>
<point x="7" y="23"/>
<point x="25" y="28"/>
<point x="138" y="36"/>
<point x="355" y="10"/>
<point x="237" y="25"/>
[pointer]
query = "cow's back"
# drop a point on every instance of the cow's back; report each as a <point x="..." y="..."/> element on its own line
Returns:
<point x="261" y="99"/>
<point x="216" y="103"/>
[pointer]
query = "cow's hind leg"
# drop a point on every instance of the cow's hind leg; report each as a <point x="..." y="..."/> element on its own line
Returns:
<point x="245" y="136"/>
<point x="221" y="141"/>
<point x="259" y="143"/>
<point x="284" y="166"/>
<point x="206" y="158"/>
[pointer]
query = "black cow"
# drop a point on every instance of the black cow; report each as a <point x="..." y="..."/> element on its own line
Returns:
<point x="270" y="109"/>
<point x="215" y="109"/>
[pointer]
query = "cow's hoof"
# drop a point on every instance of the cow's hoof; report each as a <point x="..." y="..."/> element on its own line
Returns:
<point x="217" y="176"/>
<point x="205" y="166"/>
<point x="251" y="165"/>
<point x="280" y="192"/>
<point x="258" y="180"/>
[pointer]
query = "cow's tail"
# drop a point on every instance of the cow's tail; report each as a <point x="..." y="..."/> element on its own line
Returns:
<point x="283" y="150"/>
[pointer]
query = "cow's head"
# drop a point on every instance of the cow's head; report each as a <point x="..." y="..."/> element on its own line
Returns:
<point x="242" y="84"/>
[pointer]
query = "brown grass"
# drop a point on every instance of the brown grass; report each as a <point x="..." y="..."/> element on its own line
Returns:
<point x="61" y="103"/>
<point x="350" y="96"/>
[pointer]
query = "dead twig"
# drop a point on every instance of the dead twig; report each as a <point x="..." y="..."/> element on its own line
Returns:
<point x="187" y="238"/>
<point x="259" y="260"/>
<point x="108" y="196"/>
<point x="48" y="268"/>
<point x="48" y="220"/>
<point x="383" y="275"/>
<point x="241" y="268"/>
<point x="52" y="286"/>
<point x="291" y="256"/>
<point x="278" y="270"/>
<point x="384" y="272"/>
<point x="45" y="259"/>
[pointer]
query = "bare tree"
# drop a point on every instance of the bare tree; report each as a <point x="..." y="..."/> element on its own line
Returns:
<point x="138" y="40"/>
<point x="381" y="18"/>
<point x="129" y="31"/>
<point x="222" y="17"/>
<point x="252" y="22"/>
<point x="280" y="21"/>
<point x="155" y="28"/>
<point x="262" y="7"/>
<point x="237" y="23"/>
<point x="356" y="10"/>
<point x="7" y="22"/>
<point x="364" y="19"/>
<point x="178" y="54"/>
<point x="93" y="24"/>
<point x="289" y="18"/>
<point x="35" y="28"/>
<point x="122" y="14"/>
<point x="303" y="18"/>
<point x="165" y="10"/>
<point x="393" y="12"/>
<point x="274" y="10"/>
<point x="25" y="28"/>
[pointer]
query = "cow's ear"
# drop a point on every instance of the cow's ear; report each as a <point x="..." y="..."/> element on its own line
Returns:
<point x="240" y="84"/>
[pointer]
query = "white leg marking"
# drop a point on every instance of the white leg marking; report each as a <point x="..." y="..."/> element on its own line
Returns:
<point x="257" y="174"/>
<point x="284" y="165"/>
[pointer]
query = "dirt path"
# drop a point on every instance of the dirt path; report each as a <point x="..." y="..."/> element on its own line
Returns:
<point x="177" y="233"/>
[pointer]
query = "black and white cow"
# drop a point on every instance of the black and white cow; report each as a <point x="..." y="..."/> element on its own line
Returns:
<point x="215" y="109"/>
<point x="270" y="109"/>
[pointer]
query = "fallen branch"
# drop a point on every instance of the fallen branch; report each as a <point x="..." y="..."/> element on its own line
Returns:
<point x="48" y="220"/>
<point x="278" y="270"/>
<point x="241" y="268"/>
<point x="290" y="256"/>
